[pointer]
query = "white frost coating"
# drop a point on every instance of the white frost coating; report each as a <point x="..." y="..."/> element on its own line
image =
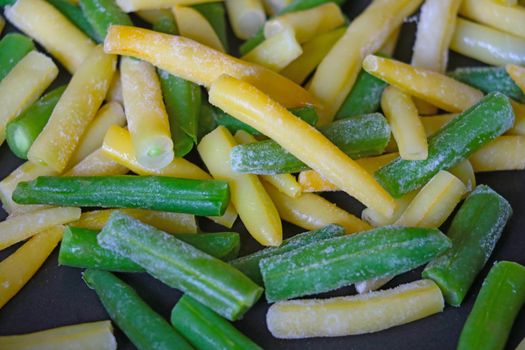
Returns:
<point x="351" y="315"/>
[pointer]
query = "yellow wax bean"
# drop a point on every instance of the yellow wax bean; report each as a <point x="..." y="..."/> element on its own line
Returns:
<point x="165" y="221"/>
<point x="510" y="19"/>
<point x="336" y="74"/>
<point x="487" y="44"/>
<point x="23" y="85"/>
<point x="389" y="47"/>
<point x="307" y="24"/>
<point x="504" y="153"/>
<point x="311" y="181"/>
<point x="433" y="124"/>
<point x="115" y="89"/>
<point x="93" y="335"/>
<point x="136" y="5"/>
<point x="313" y="53"/>
<point x="277" y="51"/>
<point x="312" y="212"/>
<point x="200" y="64"/>
<point x="465" y="172"/>
<point x="376" y="219"/>
<point x="519" y="118"/>
<point x="406" y="125"/>
<point x="146" y="114"/>
<point x="251" y="106"/>
<point x="117" y="146"/>
<point x="438" y="89"/>
<point x="62" y="39"/>
<point x="18" y="268"/>
<point x="246" y="17"/>
<point x="256" y="210"/>
<point x="193" y="25"/>
<point x="97" y="164"/>
<point x="357" y="314"/>
<point x="109" y="114"/>
<point x="286" y="183"/>
<point x="74" y="111"/>
<point x="26" y="172"/>
<point x="434" y="203"/>
<point x="21" y="227"/>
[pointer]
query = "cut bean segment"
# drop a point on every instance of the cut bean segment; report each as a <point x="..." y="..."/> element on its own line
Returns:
<point x="102" y="14"/>
<point x="192" y="24"/>
<point x="13" y="47"/>
<point x="507" y="152"/>
<point x="73" y="12"/>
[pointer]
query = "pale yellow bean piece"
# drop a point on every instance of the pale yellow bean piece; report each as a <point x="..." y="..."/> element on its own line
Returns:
<point x="506" y="17"/>
<point x="504" y="153"/>
<point x="246" y="17"/>
<point x="97" y="164"/>
<point x="193" y="25"/>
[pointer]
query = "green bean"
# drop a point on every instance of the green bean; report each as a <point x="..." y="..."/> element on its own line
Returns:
<point x="215" y="14"/>
<point x="75" y="15"/>
<point x="13" y="47"/>
<point x="101" y="14"/>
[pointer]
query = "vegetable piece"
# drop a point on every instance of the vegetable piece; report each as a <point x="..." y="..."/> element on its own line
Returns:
<point x="205" y="330"/>
<point x="108" y="115"/>
<point x="276" y="52"/>
<point x="489" y="79"/>
<point x="338" y="71"/>
<point x="97" y="164"/>
<point x="79" y="248"/>
<point x="433" y="124"/>
<point x="519" y="118"/>
<point x="115" y="89"/>
<point x="73" y="13"/>
<point x="357" y="314"/>
<point x="372" y="285"/>
<point x="436" y="88"/>
<point x="13" y="47"/>
<point x="465" y="172"/>
<point x="362" y="136"/>
<point x="364" y="98"/>
<point x="18" y="268"/>
<point x="407" y="128"/>
<point x="18" y="228"/>
<point x="337" y="262"/>
<point x="497" y="305"/>
<point x="313" y="212"/>
<point x="509" y="19"/>
<point x="389" y="46"/>
<point x="208" y="280"/>
<point x="146" y="114"/>
<point x="74" y="111"/>
<point x="102" y="14"/>
<point x="313" y="53"/>
<point x="250" y="105"/>
<point x="22" y="131"/>
<point x="474" y="232"/>
<point x="145" y="192"/>
<point x="25" y="172"/>
<point x="248" y="195"/>
<point x="377" y="219"/>
<point x="434" y="203"/>
<point x="215" y="14"/>
<point x="273" y="7"/>
<point x="200" y="64"/>
<point x="136" y="5"/>
<point x="486" y="44"/>
<point x="192" y="24"/>
<point x="311" y="181"/>
<point x="23" y="85"/>
<point x="246" y="17"/>
<point x="165" y="221"/>
<point x="41" y="21"/>
<point x="517" y="74"/>
<point x="249" y="264"/>
<point x="88" y="336"/>
<point x="504" y="153"/>
<point x="286" y="183"/>
<point x="144" y="327"/>
<point x="306" y="24"/>
<point x="464" y="135"/>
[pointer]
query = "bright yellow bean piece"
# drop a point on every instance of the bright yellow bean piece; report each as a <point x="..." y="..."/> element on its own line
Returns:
<point x="312" y="212"/>
<point x="336" y="74"/>
<point x="504" y="153"/>
<point x="357" y="314"/>
<point x="200" y="64"/>
<point x="438" y="89"/>
<point x="255" y="208"/>
<point x="165" y="221"/>
<point x="61" y="38"/>
<point x="510" y="19"/>
<point x="18" y="268"/>
<point x="377" y="219"/>
<point x="193" y="25"/>
<point x="17" y="228"/>
<point x="246" y="17"/>
<point x="93" y="335"/>
<point x="307" y="24"/>
<point x="97" y="164"/>
<point x="465" y="172"/>
<point x="23" y="85"/>
<point x="136" y="5"/>
<point x="276" y="52"/>
<point x="74" y="111"/>
<point x="487" y="44"/>
<point x="250" y="105"/>
<point x="519" y="118"/>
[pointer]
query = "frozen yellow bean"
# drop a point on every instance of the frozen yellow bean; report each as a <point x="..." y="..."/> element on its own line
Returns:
<point x="504" y="153"/>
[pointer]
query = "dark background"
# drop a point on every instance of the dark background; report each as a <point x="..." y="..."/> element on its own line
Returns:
<point x="56" y="296"/>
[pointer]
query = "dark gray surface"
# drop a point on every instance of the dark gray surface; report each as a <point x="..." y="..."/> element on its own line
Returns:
<point x="56" y="296"/>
